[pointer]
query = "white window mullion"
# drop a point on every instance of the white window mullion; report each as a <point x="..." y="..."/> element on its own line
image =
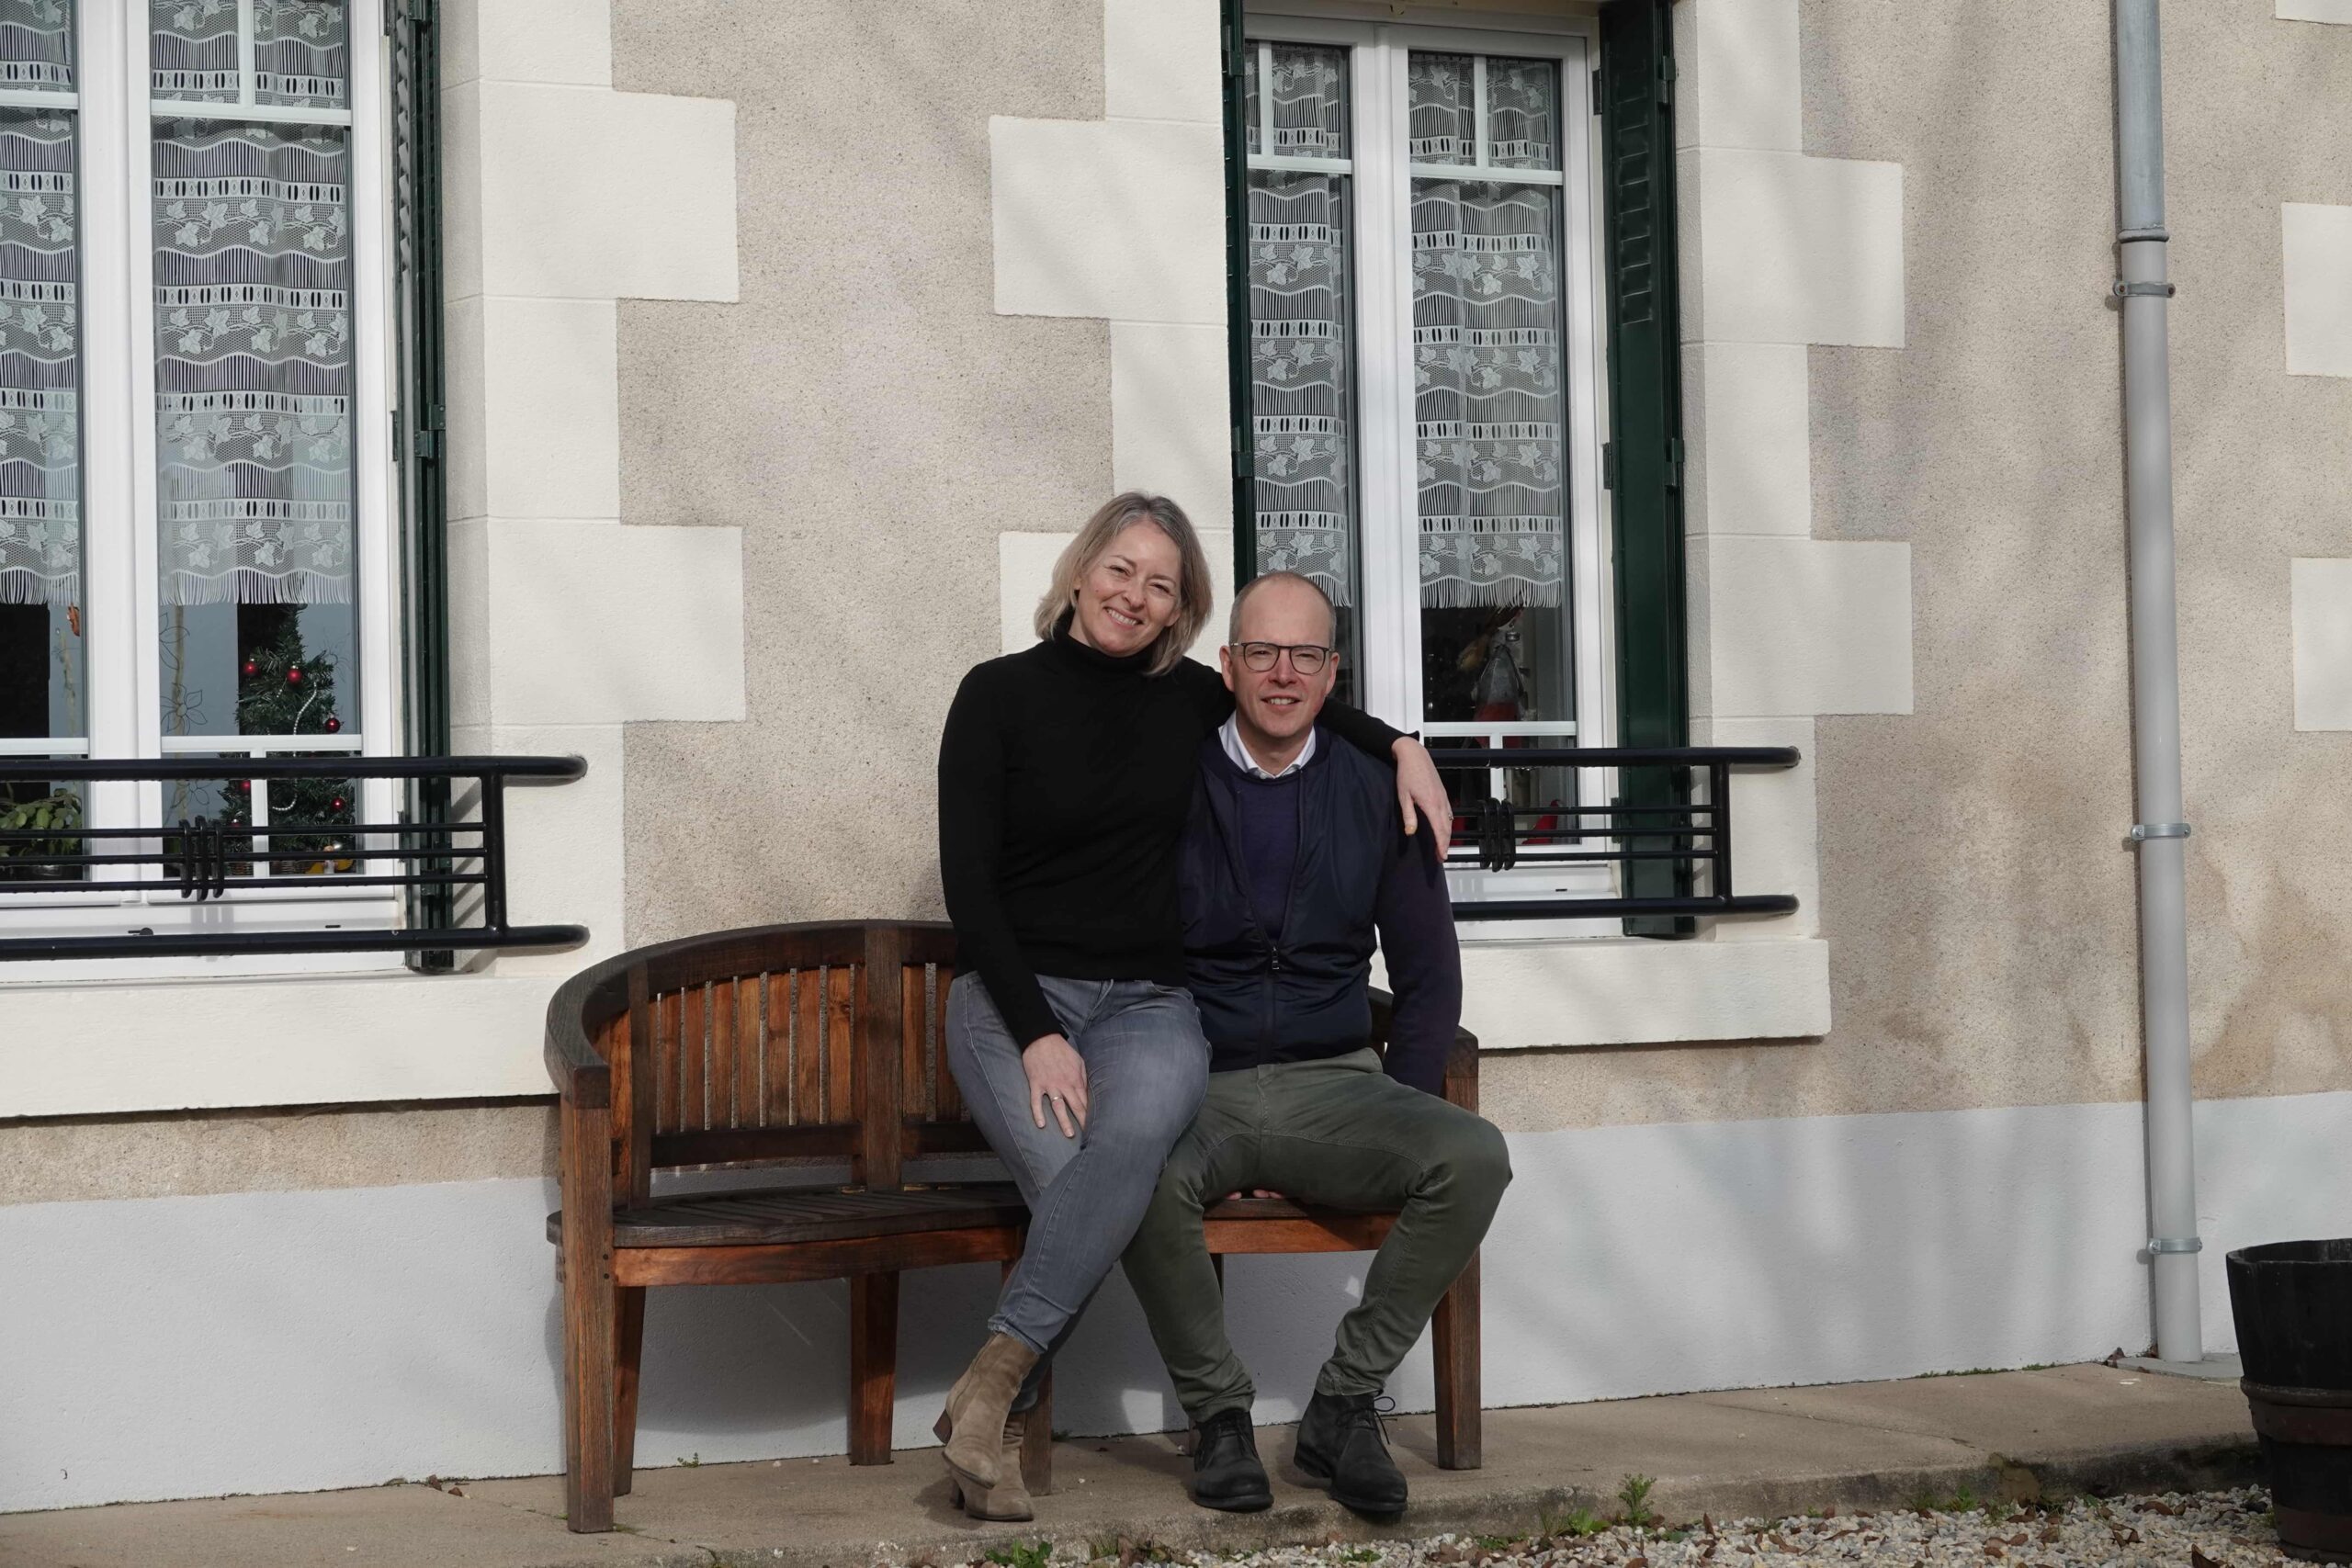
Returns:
<point x="117" y="627"/>
<point x="246" y="52"/>
<point x="375" y="490"/>
<point x="1480" y="157"/>
<point x="1385" y="369"/>
<point x="1266" y="98"/>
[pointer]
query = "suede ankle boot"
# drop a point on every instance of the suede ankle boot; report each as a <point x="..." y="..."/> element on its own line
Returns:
<point x="1342" y="1444"/>
<point x="1008" y="1501"/>
<point x="1226" y="1473"/>
<point x="973" y="1424"/>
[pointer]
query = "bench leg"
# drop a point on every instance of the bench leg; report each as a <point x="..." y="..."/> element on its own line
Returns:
<point x="873" y="1365"/>
<point x="629" y="1314"/>
<point x="590" y="1347"/>
<point x="1455" y="1333"/>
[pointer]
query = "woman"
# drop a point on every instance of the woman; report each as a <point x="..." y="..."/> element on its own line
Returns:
<point x="1065" y="776"/>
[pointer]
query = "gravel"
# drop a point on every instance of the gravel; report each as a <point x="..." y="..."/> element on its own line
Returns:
<point x="2209" y="1530"/>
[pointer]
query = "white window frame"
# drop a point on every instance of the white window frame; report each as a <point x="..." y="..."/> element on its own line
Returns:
<point x="115" y="114"/>
<point x="1386" y="486"/>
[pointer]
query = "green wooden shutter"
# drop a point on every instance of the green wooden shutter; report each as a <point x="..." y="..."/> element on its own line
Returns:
<point x="419" y="441"/>
<point x="1644" y="470"/>
<point x="1237" y="297"/>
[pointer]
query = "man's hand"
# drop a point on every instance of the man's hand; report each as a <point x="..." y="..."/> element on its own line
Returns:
<point x="1256" y="1192"/>
<point x="1421" y="793"/>
<point x="1056" y="1078"/>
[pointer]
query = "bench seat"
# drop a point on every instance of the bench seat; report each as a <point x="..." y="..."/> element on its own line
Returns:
<point x="785" y="1216"/>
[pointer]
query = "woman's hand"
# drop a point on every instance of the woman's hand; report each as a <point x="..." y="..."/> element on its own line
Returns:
<point x="1056" y="1078"/>
<point x="1421" y="793"/>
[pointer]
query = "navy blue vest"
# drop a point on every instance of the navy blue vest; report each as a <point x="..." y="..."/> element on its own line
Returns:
<point x="1299" y="993"/>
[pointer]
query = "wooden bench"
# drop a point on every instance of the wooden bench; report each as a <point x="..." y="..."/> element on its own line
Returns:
<point x="750" y="1048"/>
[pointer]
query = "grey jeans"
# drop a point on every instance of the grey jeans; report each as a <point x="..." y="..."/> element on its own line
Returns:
<point x="1147" y="1069"/>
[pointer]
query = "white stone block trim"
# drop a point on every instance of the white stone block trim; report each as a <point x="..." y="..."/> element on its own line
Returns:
<point x="1790" y="249"/>
<point x="1747" y="437"/>
<point x="1737" y="77"/>
<point x="1519" y="995"/>
<point x="1785" y="626"/>
<point x="1118" y="219"/>
<point x="1170" y="431"/>
<point x="2320" y="595"/>
<point x="598" y="623"/>
<point x="2336" y="11"/>
<point x="539" y="381"/>
<point x="2316" y="253"/>
<point x="1152" y="51"/>
<point x="114" y="1046"/>
<point x="526" y="40"/>
<point x="1812" y="1249"/>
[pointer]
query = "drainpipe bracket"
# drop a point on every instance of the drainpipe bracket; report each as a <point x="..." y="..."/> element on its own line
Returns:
<point x="2160" y="290"/>
<point x="2143" y="831"/>
<point x="2159" y="1244"/>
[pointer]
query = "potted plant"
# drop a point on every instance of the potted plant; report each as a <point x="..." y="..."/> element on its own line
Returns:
<point x="58" y="814"/>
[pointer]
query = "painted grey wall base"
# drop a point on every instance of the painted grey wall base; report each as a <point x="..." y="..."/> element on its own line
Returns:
<point x="284" y="1341"/>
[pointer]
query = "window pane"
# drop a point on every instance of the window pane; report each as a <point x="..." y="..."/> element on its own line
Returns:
<point x="1310" y="101"/>
<point x="1301" y="315"/>
<point x="1441" y="100"/>
<point x="254" y="408"/>
<point x="1490" y="422"/>
<point x="299" y="52"/>
<point x="195" y="50"/>
<point x="43" y="673"/>
<point x="1524" y="113"/>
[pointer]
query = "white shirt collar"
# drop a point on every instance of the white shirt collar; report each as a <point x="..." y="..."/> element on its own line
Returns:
<point x="1229" y="736"/>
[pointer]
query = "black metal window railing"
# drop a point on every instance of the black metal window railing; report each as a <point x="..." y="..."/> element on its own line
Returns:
<point x="206" y="843"/>
<point x="1694" y="833"/>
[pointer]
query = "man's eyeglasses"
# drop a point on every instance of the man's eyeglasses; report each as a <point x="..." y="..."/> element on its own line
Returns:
<point x="1307" y="657"/>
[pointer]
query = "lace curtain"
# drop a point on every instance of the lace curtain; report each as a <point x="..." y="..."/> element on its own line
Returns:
<point x="1489" y="410"/>
<point x="252" y="313"/>
<point x="40" y="477"/>
<point x="1300" y="319"/>
<point x="301" y="52"/>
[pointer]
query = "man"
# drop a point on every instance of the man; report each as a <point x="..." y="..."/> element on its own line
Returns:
<point x="1294" y="859"/>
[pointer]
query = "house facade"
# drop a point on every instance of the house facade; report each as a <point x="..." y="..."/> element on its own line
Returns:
<point x="1735" y="372"/>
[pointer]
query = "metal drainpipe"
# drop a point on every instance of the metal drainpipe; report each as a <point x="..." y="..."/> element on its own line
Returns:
<point x="2160" y="833"/>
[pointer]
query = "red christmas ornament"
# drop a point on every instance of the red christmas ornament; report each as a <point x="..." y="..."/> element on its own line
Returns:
<point x="294" y="676"/>
<point x="335" y="804"/>
<point x="244" y="787"/>
<point x="252" y="668"/>
<point x="334" y="725"/>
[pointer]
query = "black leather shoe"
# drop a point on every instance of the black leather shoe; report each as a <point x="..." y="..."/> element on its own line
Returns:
<point x="1343" y="1445"/>
<point x="1226" y="1471"/>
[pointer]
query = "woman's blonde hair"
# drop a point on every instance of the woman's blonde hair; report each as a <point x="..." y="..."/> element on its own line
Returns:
<point x="1116" y="517"/>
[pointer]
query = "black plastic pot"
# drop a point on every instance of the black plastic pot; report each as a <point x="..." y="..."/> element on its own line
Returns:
<point x="2292" y="1301"/>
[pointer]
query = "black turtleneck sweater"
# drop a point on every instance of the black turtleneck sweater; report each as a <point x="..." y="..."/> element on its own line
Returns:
<point x="1066" y="778"/>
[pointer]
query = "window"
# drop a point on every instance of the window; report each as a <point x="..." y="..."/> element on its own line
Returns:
<point x="195" y="491"/>
<point x="1424" y="388"/>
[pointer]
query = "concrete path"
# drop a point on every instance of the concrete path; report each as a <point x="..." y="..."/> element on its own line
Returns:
<point x="1766" y="1451"/>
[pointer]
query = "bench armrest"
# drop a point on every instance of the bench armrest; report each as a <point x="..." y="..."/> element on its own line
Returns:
<point x="581" y="1075"/>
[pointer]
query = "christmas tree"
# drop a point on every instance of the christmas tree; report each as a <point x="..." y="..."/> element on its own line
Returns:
<point x="280" y="691"/>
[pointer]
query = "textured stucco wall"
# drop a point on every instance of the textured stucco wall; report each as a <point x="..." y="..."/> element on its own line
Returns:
<point x="871" y="422"/>
<point x="866" y="418"/>
<point x="1977" y="901"/>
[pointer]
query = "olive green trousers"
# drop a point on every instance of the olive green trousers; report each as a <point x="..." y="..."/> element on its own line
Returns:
<point x="1341" y="1133"/>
